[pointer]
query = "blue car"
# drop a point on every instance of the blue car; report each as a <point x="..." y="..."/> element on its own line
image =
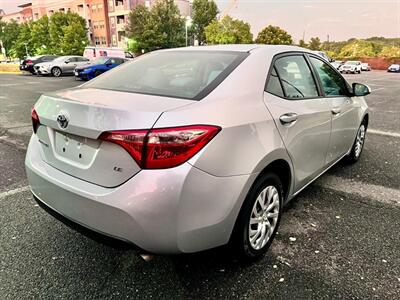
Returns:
<point x="97" y="67"/>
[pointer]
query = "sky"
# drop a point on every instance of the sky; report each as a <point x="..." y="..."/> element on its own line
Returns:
<point x="340" y="19"/>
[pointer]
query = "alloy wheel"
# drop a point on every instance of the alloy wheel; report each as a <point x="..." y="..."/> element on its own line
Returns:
<point x="264" y="217"/>
<point x="359" y="141"/>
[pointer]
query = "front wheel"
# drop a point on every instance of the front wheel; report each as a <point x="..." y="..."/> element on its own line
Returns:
<point x="358" y="145"/>
<point x="56" y="72"/>
<point x="259" y="218"/>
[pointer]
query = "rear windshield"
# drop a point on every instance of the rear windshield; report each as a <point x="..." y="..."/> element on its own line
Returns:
<point x="180" y="74"/>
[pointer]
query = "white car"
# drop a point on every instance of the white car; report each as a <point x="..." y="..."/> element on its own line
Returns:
<point x="394" y="68"/>
<point x="365" y="67"/>
<point x="351" y="66"/>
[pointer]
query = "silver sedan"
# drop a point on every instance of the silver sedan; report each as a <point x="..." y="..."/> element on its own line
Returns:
<point x="61" y="65"/>
<point x="188" y="149"/>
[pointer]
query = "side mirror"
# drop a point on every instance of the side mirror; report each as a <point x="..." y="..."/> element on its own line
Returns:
<point x="67" y="61"/>
<point x="360" y="90"/>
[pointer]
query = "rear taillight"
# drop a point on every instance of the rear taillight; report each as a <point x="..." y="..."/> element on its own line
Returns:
<point x="163" y="148"/>
<point x="29" y="62"/>
<point x="35" y="120"/>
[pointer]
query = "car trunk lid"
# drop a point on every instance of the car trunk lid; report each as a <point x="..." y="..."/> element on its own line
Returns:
<point x="72" y="120"/>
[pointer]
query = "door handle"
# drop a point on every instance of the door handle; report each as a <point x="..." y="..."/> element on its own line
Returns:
<point x="336" y="110"/>
<point x="288" y="118"/>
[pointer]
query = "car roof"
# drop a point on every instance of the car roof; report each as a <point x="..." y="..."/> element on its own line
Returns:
<point x="272" y="49"/>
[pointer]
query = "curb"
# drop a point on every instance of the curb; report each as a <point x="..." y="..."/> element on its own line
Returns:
<point x="6" y="72"/>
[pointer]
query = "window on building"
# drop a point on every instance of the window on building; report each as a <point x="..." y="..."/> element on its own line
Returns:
<point x="94" y="7"/>
<point x="101" y="24"/>
<point x="62" y="9"/>
<point x="121" y="36"/>
<point x="103" y="40"/>
<point x="121" y="19"/>
<point x="97" y="40"/>
<point x="80" y="7"/>
<point x="112" y="21"/>
<point x="119" y="3"/>
<point x="100" y="7"/>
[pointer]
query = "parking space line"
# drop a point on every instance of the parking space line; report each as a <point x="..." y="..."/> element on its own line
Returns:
<point x="365" y="190"/>
<point x="385" y="133"/>
<point x="13" y="192"/>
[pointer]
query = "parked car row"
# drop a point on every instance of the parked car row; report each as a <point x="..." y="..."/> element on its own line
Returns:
<point x="94" y="62"/>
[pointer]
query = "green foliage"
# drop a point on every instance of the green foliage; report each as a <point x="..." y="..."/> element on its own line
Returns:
<point x="390" y="51"/>
<point x="303" y="44"/>
<point x="68" y="34"/>
<point x="40" y="36"/>
<point x="204" y="12"/>
<point x="9" y="34"/>
<point x="228" y="31"/>
<point x="315" y="44"/>
<point x="274" y="35"/>
<point x="358" y="48"/>
<point x="159" y="28"/>
<point x="64" y="34"/>
<point x="24" y="45"/>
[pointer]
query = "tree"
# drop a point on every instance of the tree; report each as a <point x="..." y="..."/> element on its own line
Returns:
<point x="75" y="38"/>
<point x="68" y="34"/>
<point x="228" y="31"/>
<point x="315" y="44"/>
<point x="204" y="12"/>
<point x="9" y="34"/>
<point x="23" y="45"/>
<point x="303" y="44"/>
<point x="274" y="35"/>
<point x="158" y="28"/>
<point x="40" y="36"/>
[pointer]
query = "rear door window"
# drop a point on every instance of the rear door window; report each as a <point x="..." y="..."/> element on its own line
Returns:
<point x="181" y="74"/>
<point x="296" y="77"/>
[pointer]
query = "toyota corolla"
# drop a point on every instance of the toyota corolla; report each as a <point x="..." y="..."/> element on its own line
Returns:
<point x="189" y="149"/>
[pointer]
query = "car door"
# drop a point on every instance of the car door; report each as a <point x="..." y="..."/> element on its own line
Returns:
<point x="343" y="107"/>
<point x="301" y="114"/>
<point x="69" y="65"/>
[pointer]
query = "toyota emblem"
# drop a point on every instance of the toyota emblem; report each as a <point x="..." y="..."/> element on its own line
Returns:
<point x="62" y="121"/>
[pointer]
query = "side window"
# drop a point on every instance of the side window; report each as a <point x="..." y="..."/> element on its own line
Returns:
<point x="332" y="83"/>
<point x="72" y="59"/>
<point x="296" y="77"/>
<point x="274" y="85"/>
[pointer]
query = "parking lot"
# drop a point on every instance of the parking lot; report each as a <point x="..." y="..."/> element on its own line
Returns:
<point x="338" y="239"/>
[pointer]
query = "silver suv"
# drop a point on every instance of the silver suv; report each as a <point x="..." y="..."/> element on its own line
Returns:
<point x="188" y="149"/>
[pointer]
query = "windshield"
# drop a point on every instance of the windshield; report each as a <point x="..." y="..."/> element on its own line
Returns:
<point x="101" y="60"/>
<point x="181" y="74"/>
<point x="352" y="63"/>
<point x="395" y="66"/>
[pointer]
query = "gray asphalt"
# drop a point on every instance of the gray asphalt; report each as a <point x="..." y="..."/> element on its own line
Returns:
<point x="346" y="247"/>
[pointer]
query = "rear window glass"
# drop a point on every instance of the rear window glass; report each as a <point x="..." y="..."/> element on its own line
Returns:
<point x="181" y="74"/>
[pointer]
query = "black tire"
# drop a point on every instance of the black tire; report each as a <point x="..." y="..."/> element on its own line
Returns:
<point x="56" y="72"/>
<point x="355" y="155"/>
<point x="240" y="240"/>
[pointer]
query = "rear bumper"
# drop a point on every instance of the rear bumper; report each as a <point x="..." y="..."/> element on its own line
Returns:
<point x="161" y="211"/>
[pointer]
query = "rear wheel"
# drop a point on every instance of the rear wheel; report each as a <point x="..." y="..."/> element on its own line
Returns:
<point x="358" y="145"/>
<point x="56" y="72"/>
<point x="259" y="218"/>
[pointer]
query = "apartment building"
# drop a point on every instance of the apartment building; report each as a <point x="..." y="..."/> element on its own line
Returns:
<point x="24" y="15"/>
<point x="118" y="13"/>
